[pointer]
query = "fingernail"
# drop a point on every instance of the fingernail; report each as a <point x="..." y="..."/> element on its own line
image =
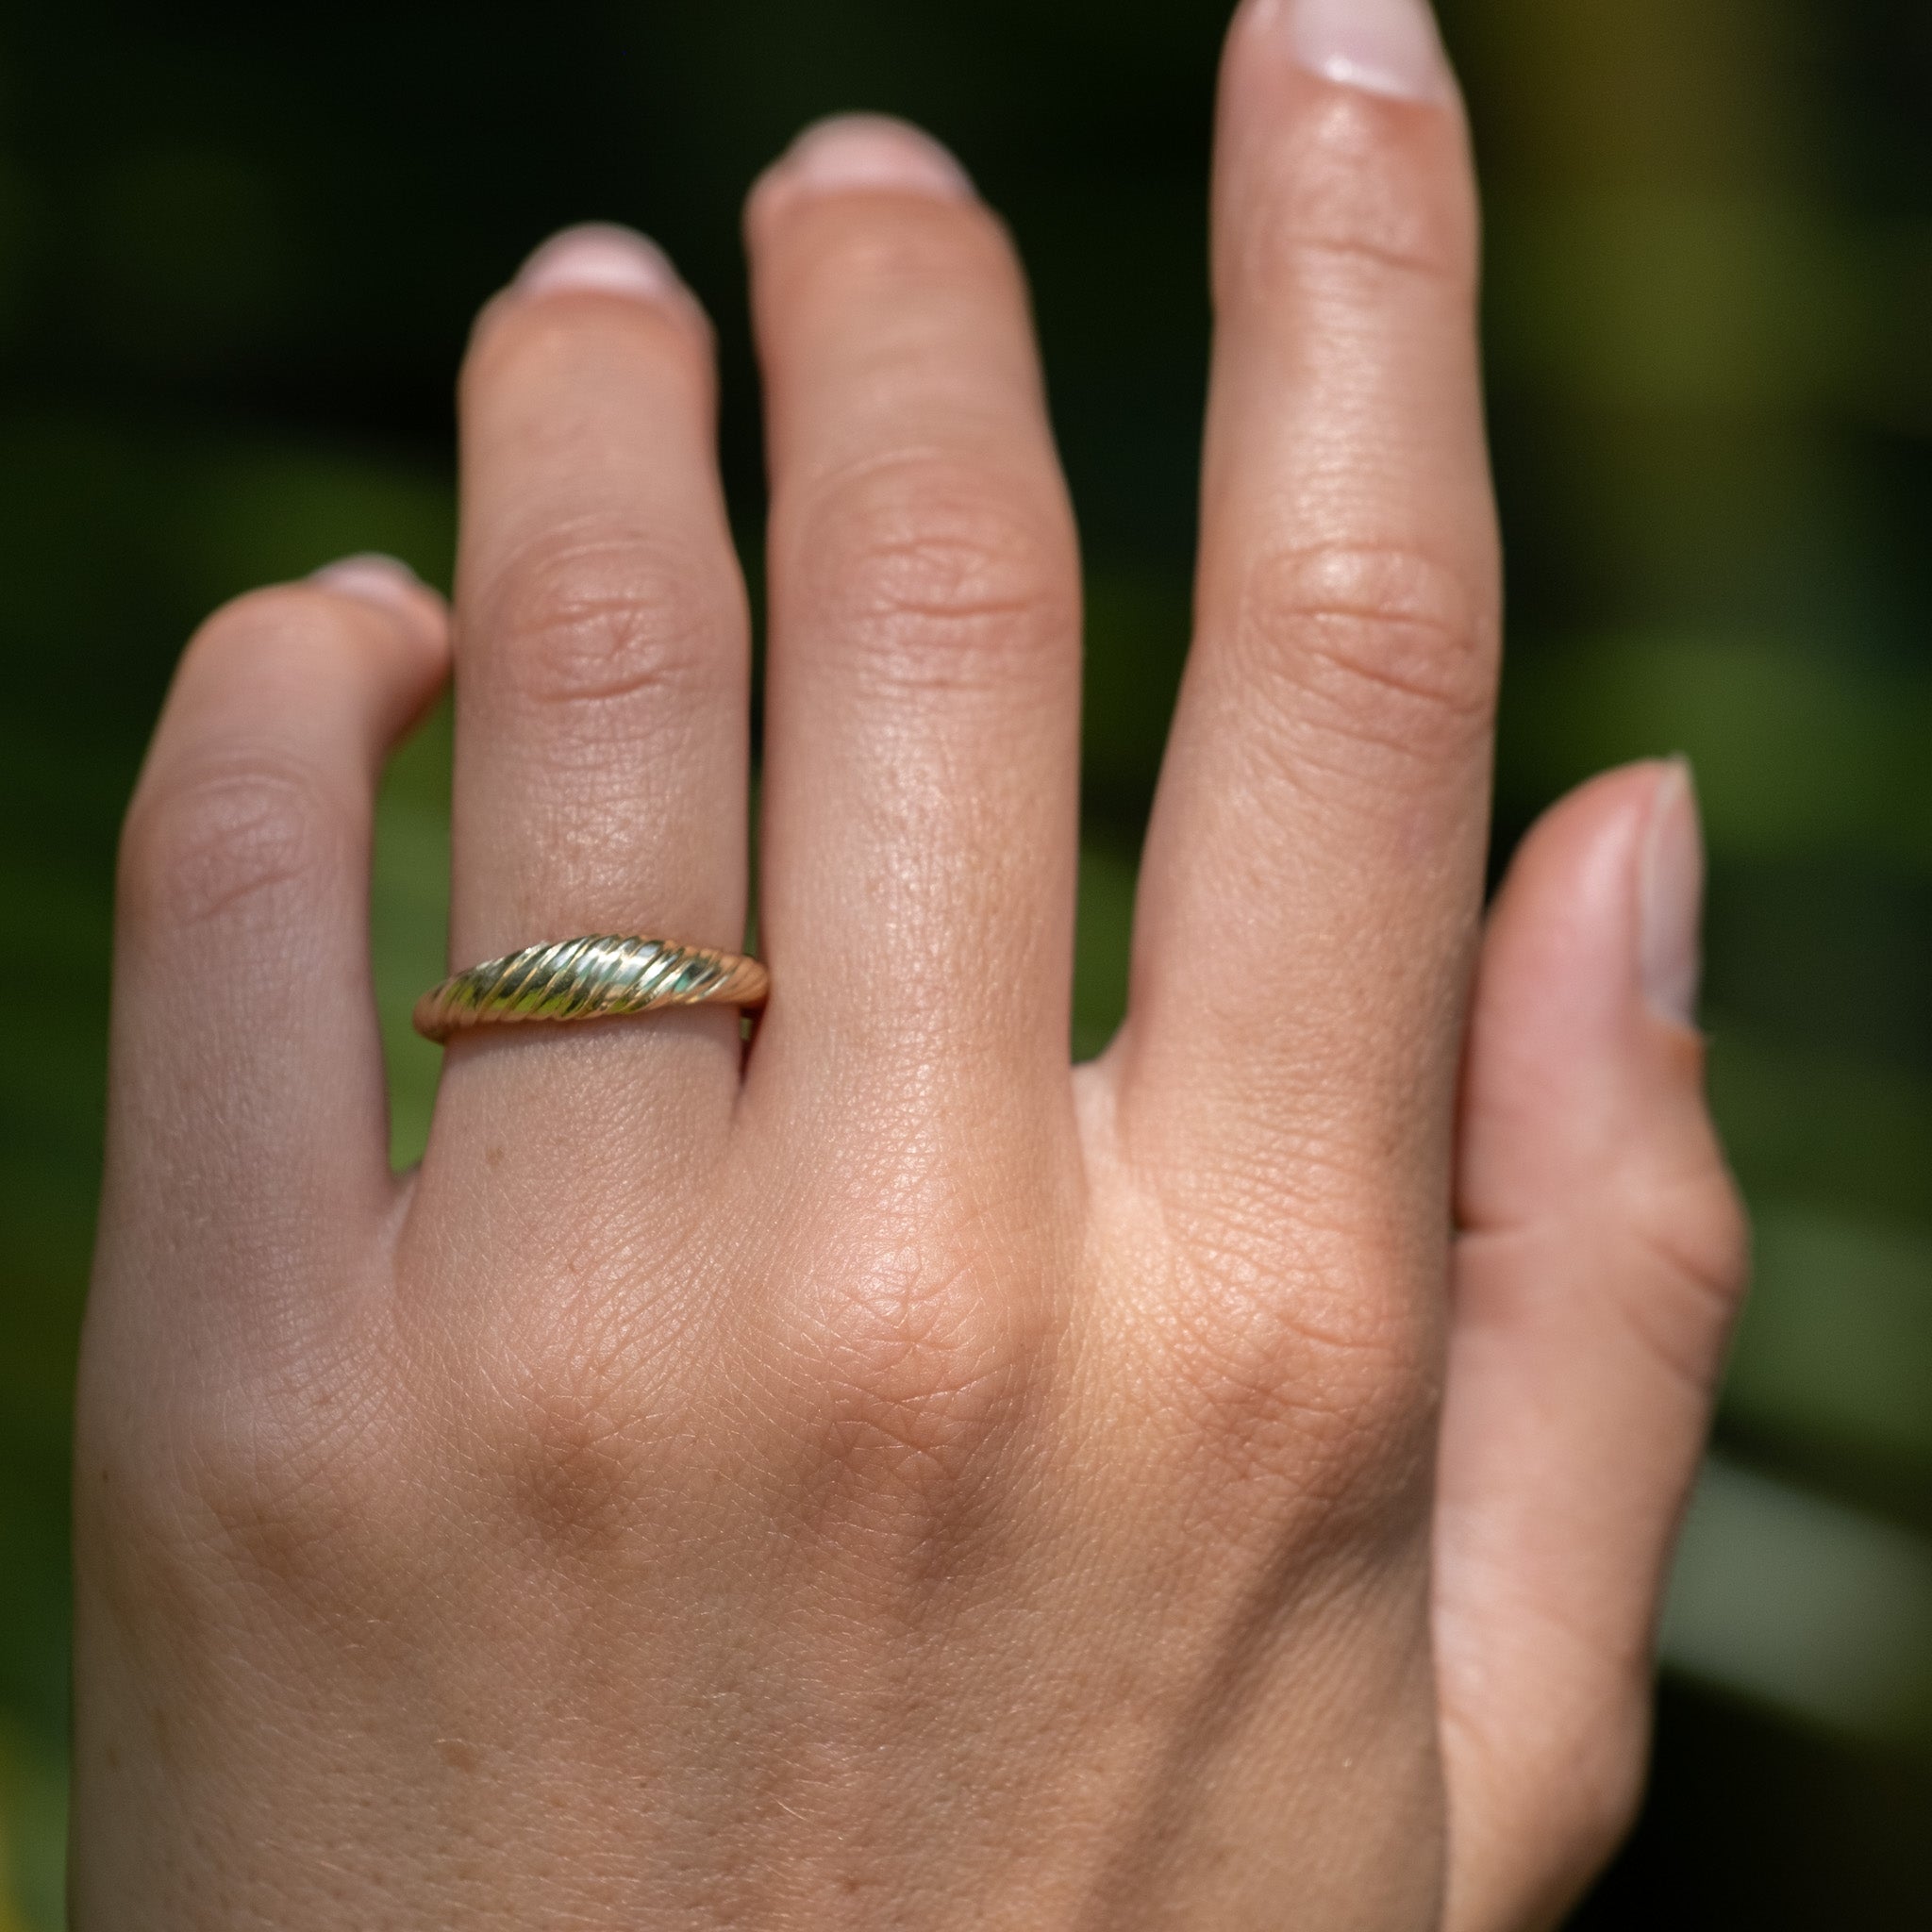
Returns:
<point x="1670" y="906"/>
<point x="853" y="153"/>
<point x="377" y="579"/>
<point x="600" y="258"/>
<point x="1386" y="46"/>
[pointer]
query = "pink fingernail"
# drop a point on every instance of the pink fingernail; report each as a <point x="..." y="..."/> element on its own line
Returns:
<point x="1671" y="898"/>
<point x="377" y="579"/>
<point x="1386" y="46"/>
<point x="600" y="258"/>
<point x="853" y="153"/>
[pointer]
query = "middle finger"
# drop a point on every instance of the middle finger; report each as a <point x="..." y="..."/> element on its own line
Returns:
<point x="921" y="772"/>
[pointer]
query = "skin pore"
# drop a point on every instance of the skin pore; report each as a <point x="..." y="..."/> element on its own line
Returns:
<point x="891" y="1476"/>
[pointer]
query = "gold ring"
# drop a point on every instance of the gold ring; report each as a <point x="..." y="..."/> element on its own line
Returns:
<point x="592" y="978"/>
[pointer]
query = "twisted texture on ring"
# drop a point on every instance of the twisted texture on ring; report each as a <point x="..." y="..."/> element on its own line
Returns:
<point x="600" y="976"/>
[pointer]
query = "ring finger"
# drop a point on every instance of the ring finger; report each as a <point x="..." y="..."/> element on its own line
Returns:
<point x="601" y="677"/>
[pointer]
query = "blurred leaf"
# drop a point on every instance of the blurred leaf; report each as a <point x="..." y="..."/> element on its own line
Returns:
<point x="1836" y="1337"/>
<point x="17" y="212"/>
<point x="1819" y="1611"/>
<point x="192" y="255"/>
<point x="1805" y="1125"/>
<point x="1795" y="753"/>
<point x="1655" y="301"/>
<point x="261" y="514"/>
<point x="1894" y="379"/>
<point x="1137" y="639"/>
<point x="409" y="922"/>
<point x="33" y="1837"/>
<point x="1103" y="941"/>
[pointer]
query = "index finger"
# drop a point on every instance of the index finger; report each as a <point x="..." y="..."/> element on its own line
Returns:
<point x="1313" y="872"/>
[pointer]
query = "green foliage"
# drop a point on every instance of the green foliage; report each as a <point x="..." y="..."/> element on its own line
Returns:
<point x="1798" y="753"/>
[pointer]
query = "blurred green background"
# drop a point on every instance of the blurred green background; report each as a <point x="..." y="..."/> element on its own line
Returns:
<point x="239" y="247"/>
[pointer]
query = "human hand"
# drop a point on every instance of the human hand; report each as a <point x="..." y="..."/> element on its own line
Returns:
<point x="890" y="1477"/>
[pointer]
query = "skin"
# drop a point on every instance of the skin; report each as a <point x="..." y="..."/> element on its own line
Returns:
<point x="891" y="1477"/>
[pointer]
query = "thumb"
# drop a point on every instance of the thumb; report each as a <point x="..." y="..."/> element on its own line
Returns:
<point x="1600" y="1265"/>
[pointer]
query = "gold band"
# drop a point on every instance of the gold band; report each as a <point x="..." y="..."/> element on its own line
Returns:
<point x="591" y="978"/>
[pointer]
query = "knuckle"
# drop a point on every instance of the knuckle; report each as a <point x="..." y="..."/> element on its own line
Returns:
<point x="275" y="614"/>
<point x="916" y="1365"/>
<point x="561" y="1429"/>
<point x="879" y="259"/>
<point x="1388" y="649"/>
<point x="1701" y="1229"/>
<point x="265" y="1494"/>
<point x="215" y="828"/>
<point x="938" y="572"/>
<point x="233" y="831"/>
<point x="1301" y="1369"/>
<point x="1362" y="201"/>
<point x="568" y="1410"/>
<point x="549" y="348"/>
<point x="603" y="621"/>
<point x="275" y="1509"/>
<point x="1692" y="1236"/>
